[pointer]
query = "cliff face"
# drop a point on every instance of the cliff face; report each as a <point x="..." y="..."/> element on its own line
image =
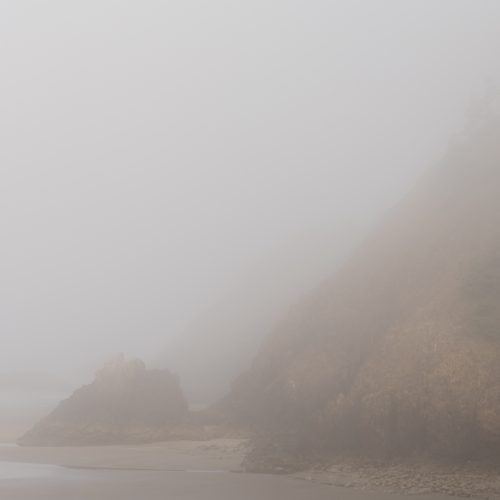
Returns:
<point x="125" y="403"/>
<point x="400" y="351"/>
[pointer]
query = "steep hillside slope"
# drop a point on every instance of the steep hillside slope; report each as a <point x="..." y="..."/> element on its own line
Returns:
<point x="400" y="351"/>
<point x="221" y="342"/>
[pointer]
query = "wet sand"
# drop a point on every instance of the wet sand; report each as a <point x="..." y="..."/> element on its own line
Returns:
<point x="176" y="471"/>
<point x="148" y="485"/>
<point x="214" y="455"/>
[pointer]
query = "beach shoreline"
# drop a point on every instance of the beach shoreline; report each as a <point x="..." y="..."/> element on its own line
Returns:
<point x="178" y="459"/>
<point x="216" y="454"/>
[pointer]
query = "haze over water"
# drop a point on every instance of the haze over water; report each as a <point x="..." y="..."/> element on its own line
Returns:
<point x="154" y="152"/>
<point x="175" y="178"/>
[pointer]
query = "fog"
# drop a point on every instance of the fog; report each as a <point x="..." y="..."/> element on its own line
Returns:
<point x="153" y="152"/>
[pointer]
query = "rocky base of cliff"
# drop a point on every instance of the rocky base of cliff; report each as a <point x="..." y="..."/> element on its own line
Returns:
<point x="411" y="476"/>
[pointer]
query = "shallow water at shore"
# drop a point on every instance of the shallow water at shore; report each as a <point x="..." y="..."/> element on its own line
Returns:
<point x="156" y="485"/>
<point x="19" y="470"/>
<point x="164" y="471"/>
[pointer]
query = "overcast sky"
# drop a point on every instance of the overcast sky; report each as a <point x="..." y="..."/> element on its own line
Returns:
<point x="153" y="150"/>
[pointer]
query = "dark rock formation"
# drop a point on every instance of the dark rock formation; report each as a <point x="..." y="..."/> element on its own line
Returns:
<point x="125" y="403"/>
<point x="400" y="352"/>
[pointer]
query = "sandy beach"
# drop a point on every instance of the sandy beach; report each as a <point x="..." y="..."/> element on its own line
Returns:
<point x="214" y="455"/>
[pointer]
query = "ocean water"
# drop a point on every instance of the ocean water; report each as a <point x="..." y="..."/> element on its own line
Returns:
<point x="30" y="481"/>
<point x="39" y="482"/>
<point x="14" y="470"/>
<point x="21" y="470"/>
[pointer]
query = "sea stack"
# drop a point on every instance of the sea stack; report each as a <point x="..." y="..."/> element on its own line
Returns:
<point x="126" y="403"/>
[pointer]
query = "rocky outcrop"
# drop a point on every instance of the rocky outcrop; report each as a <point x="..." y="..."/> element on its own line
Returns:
<point x="399" y="353"/>
<point x="125" y="403"/>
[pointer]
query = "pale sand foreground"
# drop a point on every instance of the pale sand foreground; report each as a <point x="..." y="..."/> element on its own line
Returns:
<point x="168" y="471"/>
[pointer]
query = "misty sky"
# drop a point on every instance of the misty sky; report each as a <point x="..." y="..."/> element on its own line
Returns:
<point x="153" y="150"/>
